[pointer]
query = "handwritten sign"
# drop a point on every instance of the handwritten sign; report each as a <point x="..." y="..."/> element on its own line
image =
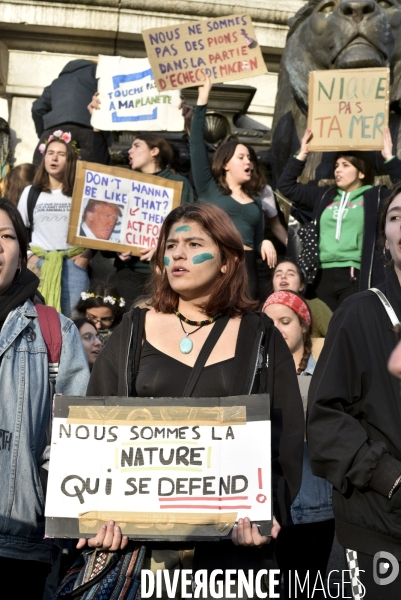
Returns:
<point x="159" y="467"/>
<point x="130" y="100"/>
<point x="118" y="209"/>
<point x="348" y="108"/>
<point x="224" y="48"/>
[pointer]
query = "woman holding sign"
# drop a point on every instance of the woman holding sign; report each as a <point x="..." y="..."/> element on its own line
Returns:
<point x="228" y="184"/>
<point x="346" y="218"/>
<point x="45" y="209"/>
<point x="200" y="283"/>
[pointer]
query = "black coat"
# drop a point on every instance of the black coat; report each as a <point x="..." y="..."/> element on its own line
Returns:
<point x="114" y="374"/>
<point x="66" y="99"/>
<point x="354" y="421"/>
<point x="315" y="199"/>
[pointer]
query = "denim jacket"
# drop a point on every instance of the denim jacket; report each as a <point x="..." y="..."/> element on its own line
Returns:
<point x="313" y="502"/>
<point x="24" y="415"/>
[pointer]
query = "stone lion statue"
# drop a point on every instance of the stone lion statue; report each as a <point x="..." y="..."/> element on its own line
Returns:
<point x="333" y="34"/>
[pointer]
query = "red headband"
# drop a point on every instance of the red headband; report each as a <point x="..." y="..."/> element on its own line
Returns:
<point x="292" y="301"/>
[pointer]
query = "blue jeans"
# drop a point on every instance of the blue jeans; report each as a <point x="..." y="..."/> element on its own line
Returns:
<point x="74" y="280"/>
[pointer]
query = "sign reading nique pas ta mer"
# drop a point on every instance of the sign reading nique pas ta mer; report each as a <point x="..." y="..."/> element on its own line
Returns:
<point x="348" y="108"/>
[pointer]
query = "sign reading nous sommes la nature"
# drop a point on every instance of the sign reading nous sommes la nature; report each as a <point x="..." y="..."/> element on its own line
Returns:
<point x="348" y="108"/>
<point x="224" y="48"/>
<point x="130" y="100"/>
<point x="119" y="209"/>
<point x="160" y="467"/>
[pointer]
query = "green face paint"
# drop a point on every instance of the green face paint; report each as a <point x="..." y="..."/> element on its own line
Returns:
<point x="167" y="261"/>
<point x="200" y="258"/>
<point x="182" y="228"/>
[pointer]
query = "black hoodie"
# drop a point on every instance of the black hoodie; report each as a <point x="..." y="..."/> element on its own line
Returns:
<point x="354" y="421"/>
<point x="66" y="99"/>
<point x="114" y="374"/>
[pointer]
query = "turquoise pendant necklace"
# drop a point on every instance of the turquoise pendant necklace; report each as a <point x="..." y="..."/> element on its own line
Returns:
<point x="186" y="344"/>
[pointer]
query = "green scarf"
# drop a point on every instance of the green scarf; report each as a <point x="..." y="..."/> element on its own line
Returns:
<point x="51" y="270"/>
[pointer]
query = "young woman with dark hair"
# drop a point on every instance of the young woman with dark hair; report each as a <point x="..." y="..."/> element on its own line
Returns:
<point x="230" y="184"/>
<point x="288" y="276"/>
<point x="200" y="276"/>
<point x="25" y="409"/>
<point x="102" y="304"/>
<point x="63" y="267"/>
<point x="304" y="547"/>
<point x="152" y="154"/>
<point x="91" y="339"/>
<point x="353" y="422"/>
<point x="346" y="214"/>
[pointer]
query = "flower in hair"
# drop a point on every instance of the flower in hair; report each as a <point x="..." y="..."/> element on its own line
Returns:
<point x="106" y="299"/>
<point x="64" y="136"/>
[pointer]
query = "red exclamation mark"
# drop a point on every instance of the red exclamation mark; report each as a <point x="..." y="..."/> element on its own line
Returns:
<point x="260" y="497"/>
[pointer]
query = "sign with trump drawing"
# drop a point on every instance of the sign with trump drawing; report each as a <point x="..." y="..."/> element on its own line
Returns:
<point x="118" y="209"/>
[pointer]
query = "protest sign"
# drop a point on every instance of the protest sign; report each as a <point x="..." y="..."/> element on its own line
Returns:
<point x="224" y="48"/>
<point x="118" y="209"/>
<point x="130" y="100"/>
<point x="159" y="467"/>
<point x="348" y="108"/>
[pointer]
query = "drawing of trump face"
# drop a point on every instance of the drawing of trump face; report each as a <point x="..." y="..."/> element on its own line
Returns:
<point x="101" y="218"/>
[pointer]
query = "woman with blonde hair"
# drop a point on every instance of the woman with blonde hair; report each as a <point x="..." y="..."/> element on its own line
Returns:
<point x="16" y="180"/>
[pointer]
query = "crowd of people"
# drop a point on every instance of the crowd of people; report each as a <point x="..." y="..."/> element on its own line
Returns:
<point x="336" y="463"/>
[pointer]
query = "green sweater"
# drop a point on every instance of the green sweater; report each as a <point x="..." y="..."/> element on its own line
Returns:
<point x="341" y="233"/>
<point x="248" y="218"/>
<point x="135" y="264"/>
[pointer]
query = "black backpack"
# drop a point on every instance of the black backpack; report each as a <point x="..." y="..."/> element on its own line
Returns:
<point x="33" y="196"/>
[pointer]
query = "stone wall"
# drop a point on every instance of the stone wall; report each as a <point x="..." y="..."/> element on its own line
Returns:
<point x="39" y="37"/>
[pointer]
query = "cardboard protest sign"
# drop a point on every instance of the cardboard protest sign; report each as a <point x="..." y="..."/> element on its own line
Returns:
<point x="224" y="48"/>
<point x="160" y="467"/>
<point x="348" y="108"/>
<point x="130" y="100"/>
<point x="118" y="209"/>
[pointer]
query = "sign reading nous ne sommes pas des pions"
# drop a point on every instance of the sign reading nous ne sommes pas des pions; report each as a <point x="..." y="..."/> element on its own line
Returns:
<point x="119" y="209"/>
<point x="348" y="108"/>
<point x="130" y="99"/>
<point x="160" y="467"/>
<point x="224" y="48"/>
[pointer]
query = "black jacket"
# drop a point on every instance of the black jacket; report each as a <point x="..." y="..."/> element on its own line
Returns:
<point x="354" y="428"/>
<point x="66" y="99"/>
<point x="314" y="198"/>
<point x="114" y="374"/>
